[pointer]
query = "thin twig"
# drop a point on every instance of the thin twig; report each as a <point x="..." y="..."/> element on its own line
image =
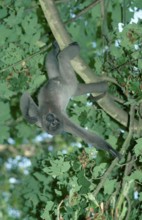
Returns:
<point x="129" y="208"/>
<point x="85" y="10"/>
<point x="58" y="209"/>
<point x="126" y="185"/>
<point x="25" y="59"/>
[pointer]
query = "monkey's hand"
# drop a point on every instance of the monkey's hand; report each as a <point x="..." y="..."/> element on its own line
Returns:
<point x="29" y="108"/>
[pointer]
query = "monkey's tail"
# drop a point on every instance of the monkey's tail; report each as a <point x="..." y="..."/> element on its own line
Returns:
<point x="89" y="137"/>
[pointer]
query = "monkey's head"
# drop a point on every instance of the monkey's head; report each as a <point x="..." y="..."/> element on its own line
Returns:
<point x="52" y="124"/>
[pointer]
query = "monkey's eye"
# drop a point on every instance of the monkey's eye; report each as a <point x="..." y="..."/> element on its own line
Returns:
<point x="50" y="117"/>
<point x="55" y="123"/>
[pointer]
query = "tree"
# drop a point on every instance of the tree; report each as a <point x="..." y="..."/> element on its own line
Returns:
<point x="83" y="183"/>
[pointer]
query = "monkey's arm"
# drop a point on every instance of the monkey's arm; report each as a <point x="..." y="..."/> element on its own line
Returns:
<point x="29" y="109"/>
<point x="98" y="87"/>
<point x="89" y="137"/>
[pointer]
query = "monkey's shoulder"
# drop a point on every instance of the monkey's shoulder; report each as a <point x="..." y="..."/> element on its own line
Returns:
<point x="53" y="86"/>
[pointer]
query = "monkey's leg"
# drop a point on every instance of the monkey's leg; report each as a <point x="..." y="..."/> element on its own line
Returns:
<point x="89" y="137"/>
<point x="98" y="87"/>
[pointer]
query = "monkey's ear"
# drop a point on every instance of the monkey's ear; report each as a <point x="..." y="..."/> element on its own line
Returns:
<point x="29" y="109"/>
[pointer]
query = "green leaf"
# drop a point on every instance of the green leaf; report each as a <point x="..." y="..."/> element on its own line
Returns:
<point x="116" y="15"/>
<point x="116" y="51"/>
<point x="24" y="130"/>
<point x="136" y="175"/>
<point x="140" y="64"/>
<point x="138" y="147"/>
<point x="75" y="187"/>
<point x="3" y="13"/>
<point x="98" y="64"/>
<point x="48" y="208"/>
<point x="99" y="170"/>
<point x="4" y="112"/>
<point x="140" y="196"/>
<point x="4" y="117"/>
<point x="4" y="133"/>
<point x="83" y="182"/>
<point x="109" y="186"/>
<point x="33" y="198"/>
<point x="5" y="91"/>
<point x="58" y="167"/>
<point x="59" y="193"/>
<point x="40" y="177"/>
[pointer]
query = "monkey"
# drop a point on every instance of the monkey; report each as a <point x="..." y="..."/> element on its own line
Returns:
<point x="53" y="97"/>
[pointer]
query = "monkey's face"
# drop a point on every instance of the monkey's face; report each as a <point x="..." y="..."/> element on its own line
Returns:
<point x="52" y="124"/>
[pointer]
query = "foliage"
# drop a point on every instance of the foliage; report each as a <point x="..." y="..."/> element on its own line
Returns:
<point x="61" y="185"/>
